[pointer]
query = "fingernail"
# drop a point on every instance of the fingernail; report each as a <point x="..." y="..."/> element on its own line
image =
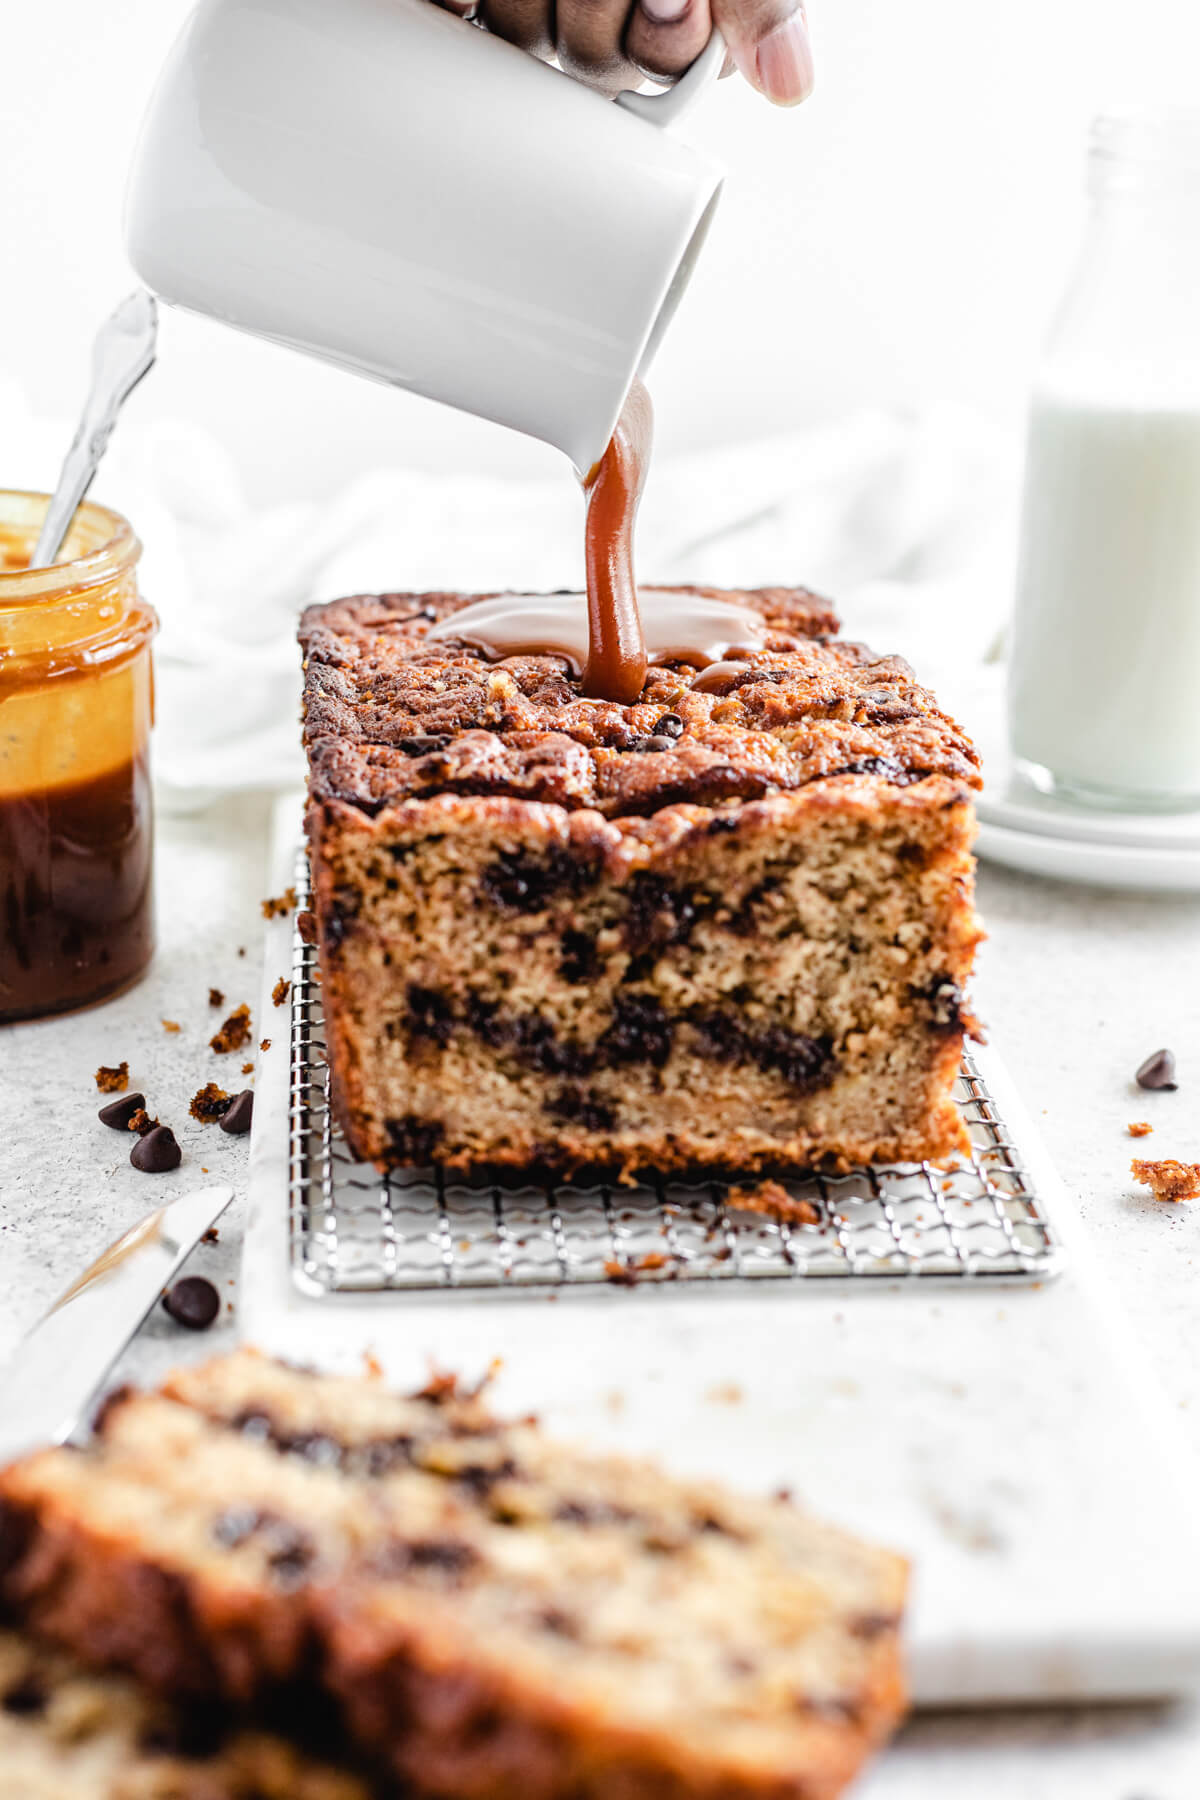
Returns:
<point x="664" y="12"/>
<point x="784" y="62"/>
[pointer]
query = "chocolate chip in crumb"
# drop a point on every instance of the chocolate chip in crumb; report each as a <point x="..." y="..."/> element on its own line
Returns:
<point x="118" y="1113"/>
<point x="236" y="1524"/>
<point x="239" y="1115"/>
<point x="209" y="1103"/>
<point x="1158" y="1071"/>
<point x="26" y="1699"/>
<point x="653" y="745"/>
<point x="276" y="907"/>
<point x="670" y="726"/>
<point x="192" y="1302"/>
<point x="112" y="1081"/>
<point x="157" y="1152"/>
<point x="425" y="744"/>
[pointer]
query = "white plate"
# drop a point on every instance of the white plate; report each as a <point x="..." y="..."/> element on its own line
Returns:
<point x="1141" y="869"/>
<point x="1024" y="829"/>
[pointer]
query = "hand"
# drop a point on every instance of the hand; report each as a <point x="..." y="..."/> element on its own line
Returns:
<point x="612" y="44"/>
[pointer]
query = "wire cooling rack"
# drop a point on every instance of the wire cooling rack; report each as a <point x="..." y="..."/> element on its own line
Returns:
<point x="353" y="1230"/>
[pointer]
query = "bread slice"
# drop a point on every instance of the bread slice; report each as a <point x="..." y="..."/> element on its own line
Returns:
<point x="68" y="1733"/>
<point x="495" y="1614"/>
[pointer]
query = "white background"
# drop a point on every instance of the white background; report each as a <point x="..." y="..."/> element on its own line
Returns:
<point x="898" y="240"/>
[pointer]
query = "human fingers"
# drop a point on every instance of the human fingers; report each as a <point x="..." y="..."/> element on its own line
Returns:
<point x="769" y="42"/>
<point x="526" y="23"/>
<point x="664" y="37"/>
<point x="588" y="36"/>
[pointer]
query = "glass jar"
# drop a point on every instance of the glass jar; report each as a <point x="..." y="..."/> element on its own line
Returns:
<point x="76" y="706"/>
<point x="1105" y="665"/>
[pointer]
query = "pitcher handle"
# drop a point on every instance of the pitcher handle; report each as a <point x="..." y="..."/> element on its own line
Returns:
<point x="665" y="108"/>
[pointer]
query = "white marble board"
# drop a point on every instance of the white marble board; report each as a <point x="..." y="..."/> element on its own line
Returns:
<point x="1009" y="1438"/>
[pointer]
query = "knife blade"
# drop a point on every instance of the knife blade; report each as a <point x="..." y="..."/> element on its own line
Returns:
<point x="58" y="1368"/>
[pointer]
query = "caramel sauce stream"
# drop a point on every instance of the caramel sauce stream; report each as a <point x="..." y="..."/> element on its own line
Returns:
<point x="617" y="660"/>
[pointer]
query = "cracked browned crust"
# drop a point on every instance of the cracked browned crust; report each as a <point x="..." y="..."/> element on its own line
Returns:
<point x="388" y="718"/>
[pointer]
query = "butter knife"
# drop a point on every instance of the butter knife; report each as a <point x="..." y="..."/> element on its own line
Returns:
<point x="47" y="1387"/>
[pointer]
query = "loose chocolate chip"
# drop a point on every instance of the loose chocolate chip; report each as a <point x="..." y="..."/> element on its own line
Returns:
<point x="157" y="1152"/>
<point x="193" y="1302"/>
<point x="1158" y="1071"/>
<point x="239" y="1115"/>
<point x="119" y="1112"/>
<point x="669" y="726"/>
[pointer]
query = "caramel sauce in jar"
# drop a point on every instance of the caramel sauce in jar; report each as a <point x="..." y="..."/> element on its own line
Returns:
<point x="76" y="707"/>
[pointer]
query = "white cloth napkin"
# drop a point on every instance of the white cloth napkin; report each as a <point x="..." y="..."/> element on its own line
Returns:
<point x="907" y="524"/>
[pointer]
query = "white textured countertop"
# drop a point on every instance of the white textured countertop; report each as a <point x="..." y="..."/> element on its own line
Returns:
<point x="1077" y="987"/>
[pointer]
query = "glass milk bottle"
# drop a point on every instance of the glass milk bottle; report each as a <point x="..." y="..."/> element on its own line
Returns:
<point x="1104" y="678"/>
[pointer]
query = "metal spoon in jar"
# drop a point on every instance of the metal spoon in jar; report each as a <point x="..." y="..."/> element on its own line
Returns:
<point x="122" y="354"/>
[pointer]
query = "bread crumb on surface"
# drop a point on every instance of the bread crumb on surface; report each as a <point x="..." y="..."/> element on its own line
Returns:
<point x="283" y="903"/>
<point x="725" y="1393"/>
<point x="265" y="1044"/>
<point x="171" y="1025"/>
<point x="773" y="1197"/>
<point x="112" y="1081"/>
<point x="215" y="997"/>
<point x="234" y="1033"/>
<point x="1140" y="1128"/>
<point x="248" y="1068"/>
<point x="625" y="1274"/>
<point x="1168" y="1180"/>
<point x="281" y="990"/>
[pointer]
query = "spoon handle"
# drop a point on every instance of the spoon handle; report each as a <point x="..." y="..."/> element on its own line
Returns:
<point x="123" y="352"/>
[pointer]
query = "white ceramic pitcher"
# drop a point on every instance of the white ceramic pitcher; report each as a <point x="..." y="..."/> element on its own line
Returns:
<point x="385" y="186"/>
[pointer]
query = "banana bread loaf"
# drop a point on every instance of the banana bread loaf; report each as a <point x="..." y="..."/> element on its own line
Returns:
<point x="727" y="928"/>
<point x="497" y="1617"/>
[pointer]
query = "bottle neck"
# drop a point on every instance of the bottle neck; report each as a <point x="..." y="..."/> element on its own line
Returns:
<point x="1129" y="325"/>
